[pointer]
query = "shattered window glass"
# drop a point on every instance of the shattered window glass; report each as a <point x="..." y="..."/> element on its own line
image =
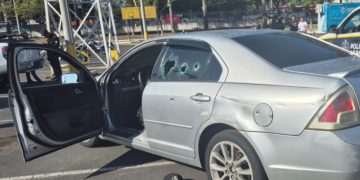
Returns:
<point x="188" y="64"/>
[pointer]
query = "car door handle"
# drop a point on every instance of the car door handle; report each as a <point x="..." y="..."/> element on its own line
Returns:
<point x="78" y="91"/>
<point x="200" y="97"/>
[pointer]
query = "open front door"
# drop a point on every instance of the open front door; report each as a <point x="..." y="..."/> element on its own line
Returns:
<point x="53" y="99"/>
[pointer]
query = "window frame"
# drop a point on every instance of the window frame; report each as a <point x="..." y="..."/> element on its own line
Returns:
<point x="357" y="14"/>
<point x="340" y="28"/>
<point x="83" y="76"/>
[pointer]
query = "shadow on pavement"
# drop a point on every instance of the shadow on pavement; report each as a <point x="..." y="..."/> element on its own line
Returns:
<point x="10" y="124"/>
<point x="107" y="144"/>
<point x="173" y="176"/>
<point x="125" y="160"/>
<point x="4" y="103"/>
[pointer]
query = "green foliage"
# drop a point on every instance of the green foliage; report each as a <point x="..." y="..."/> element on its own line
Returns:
<point x="29" y="9"/>
<point x="26" y="9"/>
<point x="306" y="3"/>
<point x="226" y="4"/>
<point x="192" y="5"/>
<point x="8" y="8"/>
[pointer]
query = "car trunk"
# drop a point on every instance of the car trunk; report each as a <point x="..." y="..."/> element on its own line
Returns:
<point x="347" y="68"/>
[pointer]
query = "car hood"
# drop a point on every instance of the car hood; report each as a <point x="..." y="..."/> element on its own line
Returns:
<point x="339" y="68"/>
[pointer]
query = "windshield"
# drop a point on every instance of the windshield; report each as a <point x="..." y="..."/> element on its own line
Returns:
<point x="290" y="49"/>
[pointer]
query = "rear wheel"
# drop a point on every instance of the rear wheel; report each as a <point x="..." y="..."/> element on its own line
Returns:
<point x="92" y="142"/>
<point x="229" y="156"/>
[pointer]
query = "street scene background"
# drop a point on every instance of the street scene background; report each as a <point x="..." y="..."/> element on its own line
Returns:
<point x="112" y="161"/>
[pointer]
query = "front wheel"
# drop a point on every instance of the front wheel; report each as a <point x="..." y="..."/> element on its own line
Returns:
<point x="230" y="156"/>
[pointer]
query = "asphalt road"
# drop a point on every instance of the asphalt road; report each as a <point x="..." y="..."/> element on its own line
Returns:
<point x="111" y="161"/>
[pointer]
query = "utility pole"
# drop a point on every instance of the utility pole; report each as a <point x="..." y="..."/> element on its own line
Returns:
<point x="47" y="16"/>
<point x="204" y="8"/>
<point x="143" y="20"/>
<point x="16" y="17"/>
<point x="171" y="16"/>
<point x="67" y="29"/>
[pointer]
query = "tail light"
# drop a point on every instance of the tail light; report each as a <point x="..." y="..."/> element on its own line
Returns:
<point x="341" y="111"/>
<point x="4" y="51"/>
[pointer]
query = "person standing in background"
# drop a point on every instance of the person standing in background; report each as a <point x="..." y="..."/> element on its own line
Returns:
<point x="302" y="26"/>
<point x="52" y="57"/>
<point x="293" y="23"/>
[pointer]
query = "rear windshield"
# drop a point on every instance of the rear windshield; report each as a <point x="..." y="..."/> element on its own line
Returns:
<point x="290" y="49"/>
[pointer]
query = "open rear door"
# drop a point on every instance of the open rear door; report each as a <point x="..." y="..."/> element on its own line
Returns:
<point x="53" y="99"/>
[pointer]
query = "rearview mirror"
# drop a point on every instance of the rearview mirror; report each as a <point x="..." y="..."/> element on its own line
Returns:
<point x="69" y="78"/>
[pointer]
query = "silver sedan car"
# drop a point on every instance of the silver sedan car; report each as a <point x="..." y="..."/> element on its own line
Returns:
<point x="242" y="104"/>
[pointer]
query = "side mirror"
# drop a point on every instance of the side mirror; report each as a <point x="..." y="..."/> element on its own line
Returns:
<point x="337" y="31"/>
<point x="69" y="78"/>
<point x="333" y="28"/>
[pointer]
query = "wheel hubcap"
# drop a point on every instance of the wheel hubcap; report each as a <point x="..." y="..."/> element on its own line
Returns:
<point x="229" y="162"/>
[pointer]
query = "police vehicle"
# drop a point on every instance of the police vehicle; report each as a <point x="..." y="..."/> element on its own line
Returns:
<point x="347" y="33"/>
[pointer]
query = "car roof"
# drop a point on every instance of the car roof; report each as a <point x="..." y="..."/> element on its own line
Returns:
<point x="223" y="34"/>
<point x="234" y="33"/>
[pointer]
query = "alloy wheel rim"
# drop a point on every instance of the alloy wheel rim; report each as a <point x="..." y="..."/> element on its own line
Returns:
<point x="229" y="162"/>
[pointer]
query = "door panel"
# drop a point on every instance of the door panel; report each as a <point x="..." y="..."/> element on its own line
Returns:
<point x="180" y="96"/>
<point x="68" y="114"/>
<point x="172" y="118"/>
<point x="350" y="41"/>
<point x="51" y="110"/>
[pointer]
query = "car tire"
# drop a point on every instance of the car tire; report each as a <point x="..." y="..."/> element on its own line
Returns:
<point x="92" y="142"/>
<point x="242" y="162"/>
<point x="3" y="81"/>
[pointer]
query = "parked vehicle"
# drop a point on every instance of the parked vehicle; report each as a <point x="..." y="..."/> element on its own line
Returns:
<point x="34" y="61"/>
<point x="331" y="14"/>
<point x="226" y="101"/>
<point x="347" y="33"/>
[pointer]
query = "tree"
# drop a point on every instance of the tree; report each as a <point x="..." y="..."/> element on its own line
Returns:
<point x="204" y="8"/>
<point x="26" y="9"/>
<point x="228" y="4"/>
<point x="278" y="4"/>
<point x="306" y="3"/>
<point x="30" y="9"/>
<point x="303" y="3"/>
<point x="7" y="9"/>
